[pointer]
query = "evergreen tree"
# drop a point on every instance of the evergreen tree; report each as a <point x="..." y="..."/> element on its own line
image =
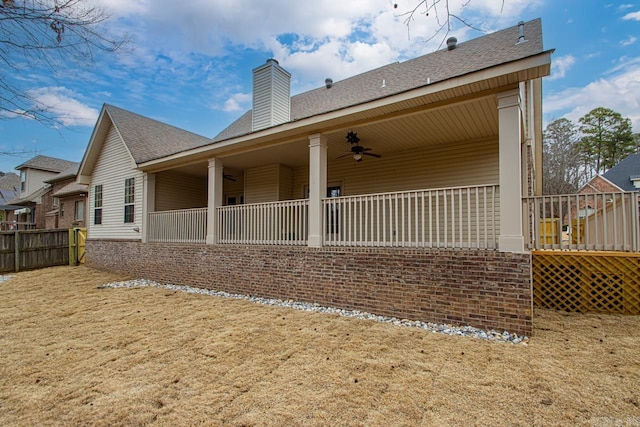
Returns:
<point x="607" y="139"/>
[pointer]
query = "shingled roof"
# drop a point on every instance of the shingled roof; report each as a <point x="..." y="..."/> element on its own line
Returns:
<point x="622" y="173"/>
<point x="475" y="55"/>
<point x="149" y="139"/>
<point x="50" y="164"/>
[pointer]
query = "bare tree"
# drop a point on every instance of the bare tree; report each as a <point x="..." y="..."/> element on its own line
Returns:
<point x="440" y="10"/>
<point x="561" y="164"/>
<point x="47" y="35"/>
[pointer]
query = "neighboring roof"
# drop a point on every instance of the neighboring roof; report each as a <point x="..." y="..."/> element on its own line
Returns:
<point x="71" y="189"/>
<point x="50" y="164"/>
<point x="621" y="173"/>
<point x="7" y="194"/>
<point x="10" y="181"/>
<point x="468" y="57"/>
<point x="149" y="139"/>
<point x="31" y="198"/>
<point x="69" y="172"/>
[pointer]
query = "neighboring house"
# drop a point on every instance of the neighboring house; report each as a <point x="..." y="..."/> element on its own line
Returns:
<point x="69" y="200"/>
<point x="35" y="198"/>
<point x="626" y="174"/>
<point x="398" y="191"/>
<point x="9" y="190"/>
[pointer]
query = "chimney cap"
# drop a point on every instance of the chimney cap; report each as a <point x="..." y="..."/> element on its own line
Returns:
<point x="328" y="82"/>
<point x="451" y="43"/>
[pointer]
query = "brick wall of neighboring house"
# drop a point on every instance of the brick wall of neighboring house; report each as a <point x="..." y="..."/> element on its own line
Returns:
<point x="482" y="288"/>
<point x="42" y="208"/>
<point x="598" y="184"/>
<point x="69" y="220"/>
<point x="66" y="209"/>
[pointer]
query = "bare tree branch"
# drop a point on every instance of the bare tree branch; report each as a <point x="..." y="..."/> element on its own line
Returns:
<point x="436" y="8"/>
<point x="49" y="36"/>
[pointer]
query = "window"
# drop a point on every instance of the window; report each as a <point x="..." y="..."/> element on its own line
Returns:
<point x="97" y="204"/>
<point x="129" y="198"/>
<point x="56" y="201"/>
<point x="79" y="210"/>
<point x="61" y="210"/>
<point x="23" y="180"/>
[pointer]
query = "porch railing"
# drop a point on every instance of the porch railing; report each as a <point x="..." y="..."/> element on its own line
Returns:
<point x="601" y="221"/>
<point x="459" y="217"/>
<point x="272" y="223"/>
<point x="178" y="226"/>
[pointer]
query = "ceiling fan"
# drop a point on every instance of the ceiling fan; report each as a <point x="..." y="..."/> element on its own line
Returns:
<point x="357" y="150"/>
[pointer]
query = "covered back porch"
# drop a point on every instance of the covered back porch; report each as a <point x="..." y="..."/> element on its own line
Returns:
<point x="445" y="176"/>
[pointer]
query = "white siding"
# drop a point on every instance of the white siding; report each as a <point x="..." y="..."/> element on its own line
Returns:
<point x="454" y="165"/>
<point x="271" y="96"/>
<point x="35" y="180"/>
<point x="179" y="191"/>
<point x="268" y="183"/>
<point x="113" y="166"/>
<point x="261" y="184"/>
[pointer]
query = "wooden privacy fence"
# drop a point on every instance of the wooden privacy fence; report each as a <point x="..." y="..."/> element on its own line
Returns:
<point x="28" y="250"/>
<point x="576" y="281"/>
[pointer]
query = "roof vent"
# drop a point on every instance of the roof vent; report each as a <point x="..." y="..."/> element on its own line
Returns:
<point x="328" y="82"/>
<point x="521" y="38"/>
<point x="452" y="43"/>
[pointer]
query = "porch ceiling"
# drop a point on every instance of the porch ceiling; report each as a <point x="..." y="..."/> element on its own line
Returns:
<point x="474" y="119"/>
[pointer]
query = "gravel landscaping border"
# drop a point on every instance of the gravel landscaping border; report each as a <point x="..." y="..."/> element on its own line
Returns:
<point x="466" y="331"/>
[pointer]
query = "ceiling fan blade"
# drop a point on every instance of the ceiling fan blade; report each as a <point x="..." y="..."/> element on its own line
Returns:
<point x="229" y="177"/>
<point x="372" y="155"/>
<point x="366" y="149"/>
<point x="344" y="155"/>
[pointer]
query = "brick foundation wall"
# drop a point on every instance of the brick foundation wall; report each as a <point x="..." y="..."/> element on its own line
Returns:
<point x="482" y="288"/>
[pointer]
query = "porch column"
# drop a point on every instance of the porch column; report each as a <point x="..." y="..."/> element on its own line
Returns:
<point x="510" y="137"/>
<point x="148" y="202"/>
<point x="214" y="194"/>
<point x="317" y="186"/>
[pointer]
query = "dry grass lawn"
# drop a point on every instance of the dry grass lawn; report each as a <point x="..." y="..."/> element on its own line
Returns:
<point x="72" y="354"/>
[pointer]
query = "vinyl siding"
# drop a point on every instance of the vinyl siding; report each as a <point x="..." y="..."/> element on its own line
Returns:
<point x="35" y="180"/>
<point x="179" y="191"/>
<point x="268" y="183"/>
<point x="285" y="183"/>
<point x="271" y="96"/>
<point x="463" y="164"/>
<point x="113" y="166"/>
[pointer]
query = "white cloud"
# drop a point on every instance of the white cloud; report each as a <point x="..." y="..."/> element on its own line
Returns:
<point x="560" y="66"/>
<point x="632" y="16"/>
<point x="60" y="103"/>
<point x="342" y="38"/>
<point x="238" y="102"/>
<point x="629" y="41"/>
<point x="619" y="91"/>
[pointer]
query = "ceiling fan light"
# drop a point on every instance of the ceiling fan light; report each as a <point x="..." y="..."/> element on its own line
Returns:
<point x="357" y="157"/>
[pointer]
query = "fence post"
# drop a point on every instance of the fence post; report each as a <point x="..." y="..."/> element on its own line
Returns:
<point x="17" y="251"/>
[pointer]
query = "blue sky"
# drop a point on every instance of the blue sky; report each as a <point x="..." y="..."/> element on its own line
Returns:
<point x="189" y="63"/>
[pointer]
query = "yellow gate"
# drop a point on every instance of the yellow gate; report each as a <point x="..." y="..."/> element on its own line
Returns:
<point x="77" y="238"/>
<point x="582" y="281"/>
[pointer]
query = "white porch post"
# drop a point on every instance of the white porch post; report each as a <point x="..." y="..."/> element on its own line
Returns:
<point x="148" y="202"/>
<point x="510" y="138"/>
<point x="214" y="194"/>
<point x="317" y="186"/>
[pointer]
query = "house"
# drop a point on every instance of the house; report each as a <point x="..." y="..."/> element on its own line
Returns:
<point x="9" y="190"/>
<point x="35" y="196"/>
<point x="398" y="191"/>
<point x="606" y="199"/>
<point x="69" y="200"/>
